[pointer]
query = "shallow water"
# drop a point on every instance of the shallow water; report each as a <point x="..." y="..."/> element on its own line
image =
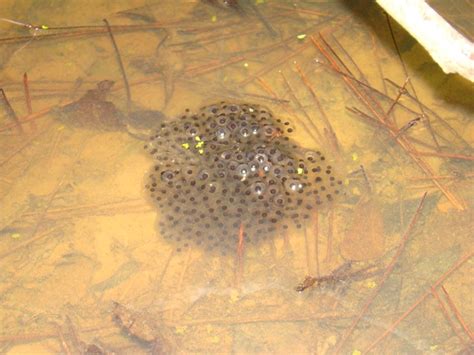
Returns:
<point x="83" y="264"/>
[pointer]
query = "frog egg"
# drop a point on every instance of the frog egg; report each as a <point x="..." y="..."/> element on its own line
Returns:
<point x="222" y="120"/>
<point x="239" y="156"/>
<point x="213" y="187"/>
<point x="234" y="108"/>
<point x="269" y="131"/>
<point x="167" y="176"/>
<point x="232" y="165"/>
<point x="266" y="167"/>
<point x="279" y="200"/>
<point x="277" y="171"/>
<point x="226" y="155"/>
<point x="293" y="185"/>
<point x="222" y="134"/>
<point x="192" y="131"/>
<point x="250" y="155"/>
<point x="211" y="109"/>
<point x="254" y="166"/>
<point x="255" y="129"/>
<point x="311" y="155"/>
<point x="243" y="170"/>
<point x="203" y="174"/>
<point x="258" y="188"/>
<point x="221" y="173"/>
<point x="232" y="126"/>
<point x="261" y="158"/>
<point x="245" y="132"/>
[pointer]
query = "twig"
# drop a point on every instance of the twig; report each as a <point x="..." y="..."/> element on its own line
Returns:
<point x="438" y="117"/>
<point x="402" y="141"/>
<point x="185" y="268"/>
<point x="446" y="315"/>
<point x="361" y="73"/>
<point x="122" y="68"/>
<point x="271" y="66"/>
<point x="318" y="138"/>
<point x="266" y="319"/>
<point x="26" y="144"/>
<point x="29" y="107"/>
<point x="447" y="155"/>
<point x="240" y="256"/>
<point x="401" y="91"/>
<point x="210" y="68"/>
<point x="330" y="235"/>
<point x="426" y="118"/>
<point x="308" y="253"/>
<point x="457" y="314"/>
<point x="10" y="112"/>
<point x="262" y="19"/>
<point x="386" y="274"/>
<point x="332" y="135"/>
<point x="62" y="341"/>
<point x="394" y="325"/>
<point x="316" y="242"/>
<point x="29" y="241"/>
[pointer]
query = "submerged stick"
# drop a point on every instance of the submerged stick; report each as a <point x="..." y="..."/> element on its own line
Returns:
<point x="386" y="274"/>
<point x="318" y="138"/>
<point x="458" y="314"/>
<point x="10" y="112"/>
<point x="395" y="324"/>
<point x="26" y="88"/>
<point x="122" y="68"/>
<point x="240" y="256"/>
<point x="426" y="118"/>
<point x="446" y="315"/>
<point x="262" y="19"/>
<point x="392" y="130"/>
<point x="332" y="135"/>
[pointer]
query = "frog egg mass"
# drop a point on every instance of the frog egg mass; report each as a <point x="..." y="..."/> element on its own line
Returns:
<point x="231" y="166"/>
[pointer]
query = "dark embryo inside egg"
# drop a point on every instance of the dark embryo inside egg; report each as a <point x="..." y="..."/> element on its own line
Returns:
<point x="229" y="166"/>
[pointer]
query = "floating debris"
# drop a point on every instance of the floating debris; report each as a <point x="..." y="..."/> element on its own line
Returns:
<point x="343" y="274"/>
<point x="156" y="336"/>
<point x="93" y="111"/>
<point x="229" y="165"/>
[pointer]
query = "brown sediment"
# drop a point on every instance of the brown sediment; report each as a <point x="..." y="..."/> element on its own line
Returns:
<point x="364" y="240"/>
